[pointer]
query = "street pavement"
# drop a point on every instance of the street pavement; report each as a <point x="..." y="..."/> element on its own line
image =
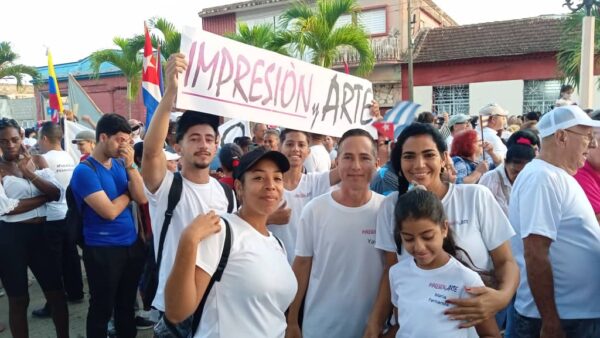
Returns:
<point x="44" y="328"/>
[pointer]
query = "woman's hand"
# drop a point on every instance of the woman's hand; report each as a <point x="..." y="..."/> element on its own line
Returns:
<point x="484" y="304"/>
<point x="25" y="164"/>
<point x="202" y="227"/>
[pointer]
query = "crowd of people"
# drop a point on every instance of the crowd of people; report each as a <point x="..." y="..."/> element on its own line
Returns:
<point x="454" y="229"/>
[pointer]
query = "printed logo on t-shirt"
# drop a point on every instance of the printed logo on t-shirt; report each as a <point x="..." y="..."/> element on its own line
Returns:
<point x="439" y="297"/>
<point x="370" y="233"/>
<point x="456" y="223"/>
<point x="303" y="195"/>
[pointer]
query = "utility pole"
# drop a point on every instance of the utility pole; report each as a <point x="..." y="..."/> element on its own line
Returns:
<point x="410" y="51"/>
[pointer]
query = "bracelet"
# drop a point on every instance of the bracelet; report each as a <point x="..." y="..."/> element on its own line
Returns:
<point x="35" y="178"/>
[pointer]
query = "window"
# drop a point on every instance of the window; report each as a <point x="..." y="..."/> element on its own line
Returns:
<point x="374" y="20"/>
<point x="540" y="95"/>
<point x="452" y="99"/>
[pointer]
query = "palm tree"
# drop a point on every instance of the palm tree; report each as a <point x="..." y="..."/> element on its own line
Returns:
<point x="127" y="59"/>
<point x="307" y="29"/>
<point x="261" y="36"/>
<point x="172" y="38"/>
<point x="9" y="69"/>
<point x="569" y="55"/>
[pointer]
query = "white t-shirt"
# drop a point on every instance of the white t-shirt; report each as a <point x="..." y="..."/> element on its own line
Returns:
<point x="195" y="199"/>
<point x="310" y="186"/>
<point x="257" y="286"/>
<point x="346" y="267"/>
<point x="478" y="222"/>
<point x="333" y="155"/>
<point x="547" y="201"/>
<point x="318" y="160"/>
<point x="499" y="184"/>
<point x="62" y="164"/>
<point x="420" y="296"/>
<point x="491" y="136"/>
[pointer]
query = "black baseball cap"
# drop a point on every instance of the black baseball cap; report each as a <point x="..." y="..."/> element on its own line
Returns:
<point x="191" y="118"/>
<point x="252" y="157"/>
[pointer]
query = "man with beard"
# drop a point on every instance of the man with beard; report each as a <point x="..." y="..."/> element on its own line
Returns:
<point x="197" y="137"/>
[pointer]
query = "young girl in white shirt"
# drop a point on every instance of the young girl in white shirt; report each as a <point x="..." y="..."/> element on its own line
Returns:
<point x="421" y="284"/>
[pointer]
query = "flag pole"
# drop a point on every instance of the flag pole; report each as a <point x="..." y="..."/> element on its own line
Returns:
<point x="481" y="126"/>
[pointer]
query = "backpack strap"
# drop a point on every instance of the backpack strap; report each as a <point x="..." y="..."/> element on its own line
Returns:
<point x="215" y="277"/>
<point x="86" y="162"/>
<point x="174" y="196"/>
<point x="278" y="241"/>
<point x="229" y="195"/>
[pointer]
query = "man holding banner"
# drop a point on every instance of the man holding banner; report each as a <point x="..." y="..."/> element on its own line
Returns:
<point x="197" y="138"/>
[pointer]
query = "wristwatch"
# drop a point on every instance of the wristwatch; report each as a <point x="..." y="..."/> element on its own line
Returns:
<point x="132" y="166"/>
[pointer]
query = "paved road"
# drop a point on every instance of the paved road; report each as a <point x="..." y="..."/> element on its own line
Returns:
<point x="44" y="328"/>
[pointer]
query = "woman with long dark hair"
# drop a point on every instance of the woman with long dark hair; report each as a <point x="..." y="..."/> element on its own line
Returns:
<point x="480" y="226"/>
<point x="27" y="184"/>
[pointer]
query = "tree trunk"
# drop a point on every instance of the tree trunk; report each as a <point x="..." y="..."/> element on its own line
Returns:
<point x="129" y="100"/>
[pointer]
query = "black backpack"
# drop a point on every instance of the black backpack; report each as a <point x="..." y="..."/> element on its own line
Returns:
<point x="150" y="276"/>
<point x="74" y="218"/>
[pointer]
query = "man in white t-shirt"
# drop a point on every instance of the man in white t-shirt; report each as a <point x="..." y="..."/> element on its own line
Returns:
<point x="318" y="160"/>
<point x="197" y="138"/>
<point x="495" y="123"/>
<point x="56" y="229"/>
<point x="558" y="247"/>
<point x="337" y="265"/>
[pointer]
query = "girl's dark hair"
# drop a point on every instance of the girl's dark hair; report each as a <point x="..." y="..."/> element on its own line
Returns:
<point x="415" y="129"/>
<point x="421" y="204"/>
<point x="520" y="147"/>
<point x="9" y="123"/>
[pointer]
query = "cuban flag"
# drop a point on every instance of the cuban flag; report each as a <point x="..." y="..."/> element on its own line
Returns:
<point x="55" y="102"/>
<point x="150" y="79"/>
<point x="401" y="115"/>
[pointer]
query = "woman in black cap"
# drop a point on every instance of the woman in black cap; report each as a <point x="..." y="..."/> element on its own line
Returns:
<point x="257" y="283"/>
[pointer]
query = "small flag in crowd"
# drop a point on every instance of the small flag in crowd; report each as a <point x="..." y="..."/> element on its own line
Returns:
<point x="55" y="101"/>
<point x="150" y="79"/>
<point x="385" y="129"/>
<point x="401" y="115"/>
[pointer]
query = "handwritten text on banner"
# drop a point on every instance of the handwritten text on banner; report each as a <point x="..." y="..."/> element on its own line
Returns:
<point x="231" y="79"/>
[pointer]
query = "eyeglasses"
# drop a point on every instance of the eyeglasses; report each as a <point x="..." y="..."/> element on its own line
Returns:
<point x="591" y="138"/>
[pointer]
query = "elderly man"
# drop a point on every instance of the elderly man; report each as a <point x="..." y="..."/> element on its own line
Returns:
<point x="457" y="123"/>
<point x="495" y="125"/>
<point x="558" y="251"/>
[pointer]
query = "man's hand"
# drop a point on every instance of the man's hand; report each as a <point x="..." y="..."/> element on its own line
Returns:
<point x="126" y="153"/>
<point x="552" y="329"/>
<point x="374" y="110"/>
<point x="472" y="311"/>
<point x="175" y="66"/>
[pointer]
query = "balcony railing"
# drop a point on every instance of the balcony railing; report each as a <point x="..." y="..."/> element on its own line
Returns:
<point x="387" y="49"/>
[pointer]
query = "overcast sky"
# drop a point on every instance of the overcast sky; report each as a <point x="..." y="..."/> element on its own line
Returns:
<point x="75" y="29"/>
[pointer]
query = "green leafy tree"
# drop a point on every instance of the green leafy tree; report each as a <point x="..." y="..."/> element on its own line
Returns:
<point x="261" y="36"/>
<point x="171" y="41"/>
<point x="569" y="55"/>
<point x="312" y="31"/>
<point x="128" y="59"/>
<point x="8" y="68"/>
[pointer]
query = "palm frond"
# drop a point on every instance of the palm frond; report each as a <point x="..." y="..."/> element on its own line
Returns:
<point x="357" y="38"/>
<point x="17" y="71"/>
<point x="332" y="10"/>
<point x="299" y="10"/>
<point x="7" y="55"/>
<point x="172" y="37"/>
<point x="261" y="36"/>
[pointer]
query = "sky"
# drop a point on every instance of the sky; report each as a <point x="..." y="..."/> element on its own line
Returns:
<point x="74" y="29"/>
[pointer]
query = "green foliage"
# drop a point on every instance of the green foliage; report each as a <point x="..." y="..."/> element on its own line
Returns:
<point x="569" y="55"/>
<point x="127" y="59"/>
<point x="261" y="36"/>
<point x="312" y="30"/>
<point x="172" y="38"/>
<point x="8" y="68"/>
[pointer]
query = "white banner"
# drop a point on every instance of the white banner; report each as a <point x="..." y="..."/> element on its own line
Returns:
<point x="235" y="80"/>
<point x="232" y="129"/>
<point x="71" y="130"/>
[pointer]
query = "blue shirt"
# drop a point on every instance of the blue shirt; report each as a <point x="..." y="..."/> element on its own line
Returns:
<point x="466" y="167"/>
<point x="386" y="180"/>
<point x="98" y="231"/>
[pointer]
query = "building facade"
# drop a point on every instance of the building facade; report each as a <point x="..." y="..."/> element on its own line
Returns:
<point x="384" y="20"/>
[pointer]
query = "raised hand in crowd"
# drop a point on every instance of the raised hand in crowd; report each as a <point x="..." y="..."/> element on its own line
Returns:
<point x="374" y="110"/>
<point x="281" y="216"/>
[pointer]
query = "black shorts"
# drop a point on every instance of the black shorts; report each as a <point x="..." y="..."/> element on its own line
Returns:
<point x="23" y="245"/>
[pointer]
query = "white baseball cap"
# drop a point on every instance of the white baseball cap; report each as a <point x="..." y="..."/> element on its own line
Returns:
<point x="563" y="118"/>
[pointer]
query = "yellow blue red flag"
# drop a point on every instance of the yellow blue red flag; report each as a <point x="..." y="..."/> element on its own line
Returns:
<point x="56" y="107"/>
